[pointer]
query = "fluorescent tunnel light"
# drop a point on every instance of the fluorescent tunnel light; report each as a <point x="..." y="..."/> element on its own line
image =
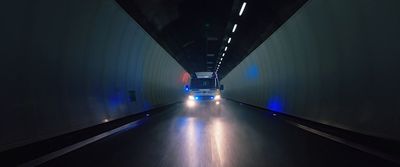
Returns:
<point x="242" y="9"/>
<point x="234" y="28"/>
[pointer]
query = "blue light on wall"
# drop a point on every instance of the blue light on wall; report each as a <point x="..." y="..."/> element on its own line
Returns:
<point x="116" y="101"/>
<point x="275" y="104"/>
<point x="146" y="105"/>
<point x="253" y="72"/>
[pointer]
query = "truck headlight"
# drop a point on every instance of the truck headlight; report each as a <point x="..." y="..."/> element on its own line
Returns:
<point x="191" y="97"/>
<point x="190" y="103"/>
<point x="217" y="97"/>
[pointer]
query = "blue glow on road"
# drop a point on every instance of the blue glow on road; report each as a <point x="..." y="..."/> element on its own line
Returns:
<point x="275" y="104"/>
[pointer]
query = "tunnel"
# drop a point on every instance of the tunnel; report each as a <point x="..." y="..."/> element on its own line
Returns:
<point x="112" y="83"/>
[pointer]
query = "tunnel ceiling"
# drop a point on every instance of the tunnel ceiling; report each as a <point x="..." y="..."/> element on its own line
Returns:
<point x="195" y="32"/>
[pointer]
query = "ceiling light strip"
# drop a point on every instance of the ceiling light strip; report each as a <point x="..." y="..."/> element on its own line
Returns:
<point x="242" y="9"/>
<point x="234" y="28"/>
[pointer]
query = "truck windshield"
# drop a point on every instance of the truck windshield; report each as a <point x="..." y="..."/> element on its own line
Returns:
<point x="202" y="83"/>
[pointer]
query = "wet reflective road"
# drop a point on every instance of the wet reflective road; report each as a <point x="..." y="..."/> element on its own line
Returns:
<point x="234" y="135"/>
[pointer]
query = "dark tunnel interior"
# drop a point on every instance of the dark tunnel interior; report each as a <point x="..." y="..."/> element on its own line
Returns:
<point x="200" y="83"/>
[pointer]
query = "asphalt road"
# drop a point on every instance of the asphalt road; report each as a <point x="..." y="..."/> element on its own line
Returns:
<point x="232" y="135"/>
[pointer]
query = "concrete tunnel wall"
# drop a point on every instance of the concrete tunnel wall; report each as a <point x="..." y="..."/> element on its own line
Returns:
<point x="335" y="62"/>
<point x="69" y="64"/>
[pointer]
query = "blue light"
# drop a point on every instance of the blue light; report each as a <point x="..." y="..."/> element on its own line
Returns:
<point x="197" y="98"/>
<point x="115" y="101"/>
<point x="186" y="88"/>
<point x="275" y="104"/>
<point x="253" y="72"/>
<point x="212" y="97"/>
<point x="147" y="105"/>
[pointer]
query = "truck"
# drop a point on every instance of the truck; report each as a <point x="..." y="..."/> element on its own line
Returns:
<point x="204" y="87"/>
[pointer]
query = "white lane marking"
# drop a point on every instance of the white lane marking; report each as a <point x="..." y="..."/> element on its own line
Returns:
<point x="78" y="145"/>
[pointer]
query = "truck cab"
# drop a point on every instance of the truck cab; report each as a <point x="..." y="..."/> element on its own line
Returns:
<point x="204" y="87"/>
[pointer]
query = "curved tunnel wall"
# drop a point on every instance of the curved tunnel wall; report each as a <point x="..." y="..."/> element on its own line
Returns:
<point x="333" y="62"/>
<point x="71" y="64"/>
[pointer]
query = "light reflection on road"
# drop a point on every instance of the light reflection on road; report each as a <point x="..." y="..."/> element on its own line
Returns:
<point x="204" y="140"/>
